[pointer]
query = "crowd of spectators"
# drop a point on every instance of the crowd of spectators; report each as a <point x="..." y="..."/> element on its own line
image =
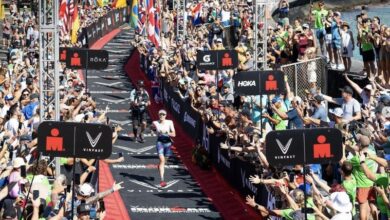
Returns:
<point x="29" y="186"/>
<point x="355" y="188"/>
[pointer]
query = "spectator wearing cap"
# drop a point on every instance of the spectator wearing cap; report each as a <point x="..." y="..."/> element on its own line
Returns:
<point x="351" y="107"/>
<point x="319" y="116"/>
<point x="294" y="115"/>
<point x="336" y="118"/>
<point x="348" y="45"/>
<point x="366" y="93"/>
<point x="13" y="123"/>
<point x="276" y="120"/>
<point x="363" y="183"/>
<point x="226" y="95"/>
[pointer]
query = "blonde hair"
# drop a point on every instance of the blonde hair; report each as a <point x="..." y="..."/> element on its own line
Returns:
<point x="299" y="197"/>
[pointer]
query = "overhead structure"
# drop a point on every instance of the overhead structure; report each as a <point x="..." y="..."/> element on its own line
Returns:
<point x="49" y="102"/>
<point x="260" y="34"/>
<point x="180" y="6"/>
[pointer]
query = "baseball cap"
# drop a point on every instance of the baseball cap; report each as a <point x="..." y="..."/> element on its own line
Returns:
<point x="8" y="97"/>
<point x="86" y="189"/>
<point x="276" y="99"/>
<point x="219" y="40"/>
<point x="305" y="26"/>
<point x="341" y="202"/>
<point x="226" y="85"/>
<point x="337" y="112"/>
<point x="347" y="89"/>
<point x="318" y="98"/>
<point x="246" y="113"/>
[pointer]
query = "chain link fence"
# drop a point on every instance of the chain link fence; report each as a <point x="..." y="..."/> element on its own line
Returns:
<point x="298" y="75"/>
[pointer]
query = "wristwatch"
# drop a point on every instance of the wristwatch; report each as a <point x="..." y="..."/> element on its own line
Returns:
<point x="257" y="206"/>
<point x="361" y="162"/>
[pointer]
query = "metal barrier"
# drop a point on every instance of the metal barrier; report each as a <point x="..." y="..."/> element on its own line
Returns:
<point x="297" y="75"/>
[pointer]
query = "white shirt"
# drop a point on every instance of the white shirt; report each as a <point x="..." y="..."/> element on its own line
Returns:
<point x="164" y="128"/>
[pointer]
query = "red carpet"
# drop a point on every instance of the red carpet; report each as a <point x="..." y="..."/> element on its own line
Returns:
<point x="225" y="198"/>
<point x="115" y="207"/>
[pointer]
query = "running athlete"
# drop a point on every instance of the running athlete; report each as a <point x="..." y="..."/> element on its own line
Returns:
<point x="165" y="131"/>
<point x="139" y="101"/>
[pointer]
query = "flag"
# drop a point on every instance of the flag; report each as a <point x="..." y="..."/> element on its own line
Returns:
<point x="141" y="17"/>
<point x="75" y="25"/>
<point x="2" y="15"/>
<point x="196" y="14"/>
<point x="157" y="25"/>
<point x="134" y="14"/>
<point x="119" y="4"/>
<point x="70" y="14"/>
<point x="63" y="15"/>
<point x="151" y="22"/>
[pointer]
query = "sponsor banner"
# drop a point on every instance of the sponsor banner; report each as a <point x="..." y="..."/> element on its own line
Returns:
<point x="259" y="82"/>
<point x="78" y="58"/>
<point x="172" y="210"/>
<point x="217" y="59"/>
<point x="247" y="83"/>
<point x="310" y="146"/>
<point x="65" y="139"/>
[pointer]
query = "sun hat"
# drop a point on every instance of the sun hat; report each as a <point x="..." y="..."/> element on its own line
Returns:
<point x="341" y="202"/>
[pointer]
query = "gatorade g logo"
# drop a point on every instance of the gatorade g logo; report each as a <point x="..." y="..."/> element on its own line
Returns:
<point x="206" y="58"/>
<point x="322" y="149"/>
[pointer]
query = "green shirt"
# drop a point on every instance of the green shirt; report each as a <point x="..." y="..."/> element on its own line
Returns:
<point x="366" y="44"/>
<point x="361" y="179"/>
<point x="319" y="16"/>
<point x="281" y="40"/>
<point x="282" y="125"/>
<point x="286" y="213"/>
<point x="350" y="187"/>
<point x="382" y="180"/>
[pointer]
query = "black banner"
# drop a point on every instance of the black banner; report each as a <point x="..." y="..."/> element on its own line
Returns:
<point x="66" y="139"/>
<point x="217" y="59"/>
<point x="78" y="58"/>
<point x="310" y="146"/>
<point x="259" y="82"/>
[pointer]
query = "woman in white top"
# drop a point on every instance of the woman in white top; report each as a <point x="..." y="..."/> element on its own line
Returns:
<point x="165" y="131"/>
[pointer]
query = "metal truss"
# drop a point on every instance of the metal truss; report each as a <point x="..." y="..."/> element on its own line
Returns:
<point x="260" y="35"/>
<point x="49" y="104"/>
<point x="180" y="24"/>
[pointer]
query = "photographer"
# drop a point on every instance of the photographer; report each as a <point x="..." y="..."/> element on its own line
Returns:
<point x="139" y="101"/>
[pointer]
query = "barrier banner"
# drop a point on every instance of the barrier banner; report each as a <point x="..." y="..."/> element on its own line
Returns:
<point x="112" y="20"/>
<point x="181" y="110"/>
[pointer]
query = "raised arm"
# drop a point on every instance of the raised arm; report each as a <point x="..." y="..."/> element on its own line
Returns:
<point x="355" y="86"/>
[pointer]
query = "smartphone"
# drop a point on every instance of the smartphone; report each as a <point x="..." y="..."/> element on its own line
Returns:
<point x="307" y="210"/>
<point x="120" y="155"/>
<point x="68" y="188"/>
<point x="291" y="177"/>
<point x="77" y="178"/>
<point x="107" y="120"/>
<point x="23" y="172"/>
<point x="365" y="154"/>
<point x="101" y="206"/>
<point x="35" y="194"/>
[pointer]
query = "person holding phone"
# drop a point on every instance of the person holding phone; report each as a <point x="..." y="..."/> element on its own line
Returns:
<point x="165" y="131"/>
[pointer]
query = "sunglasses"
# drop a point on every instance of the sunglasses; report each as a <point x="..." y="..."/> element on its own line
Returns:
<point x="162" y="114"/>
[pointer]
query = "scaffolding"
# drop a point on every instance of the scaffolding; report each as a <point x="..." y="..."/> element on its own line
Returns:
<point x="260" y="34"/>
<point x="49" y="105"/>
<point x="180" y="7"/>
